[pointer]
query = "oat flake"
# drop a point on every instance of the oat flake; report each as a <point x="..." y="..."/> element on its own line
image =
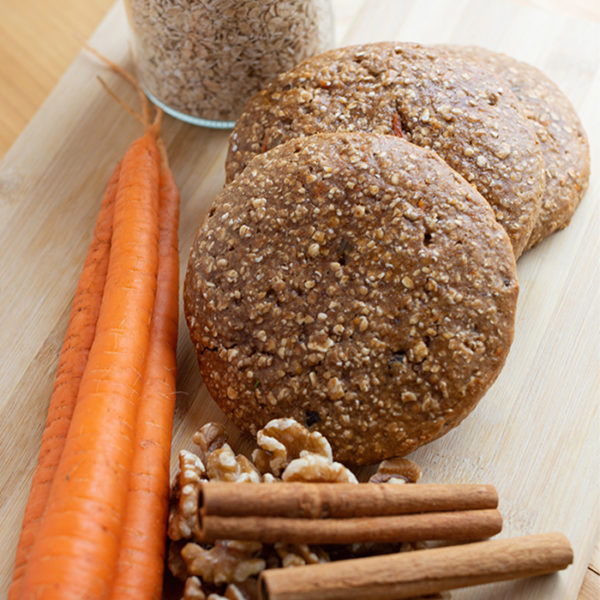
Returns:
<point x="206" y="58"/>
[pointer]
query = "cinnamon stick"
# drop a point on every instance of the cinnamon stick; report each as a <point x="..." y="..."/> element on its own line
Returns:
<point x="318" y="500"/>
<point x="457" y="525"/>
<point x="421" y="572"/>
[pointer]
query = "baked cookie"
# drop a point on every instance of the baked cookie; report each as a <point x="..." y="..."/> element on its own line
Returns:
<point x="427" y="95"/>
<point x="356" y="283"/>
<point x="564" y="143"/>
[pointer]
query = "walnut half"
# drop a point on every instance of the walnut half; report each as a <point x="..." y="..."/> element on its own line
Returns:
<point x="397" y="470"/>
<point x="226" y="562"/>
<point x="224" y="465"/>
<point x="313" y="467"/>
<point x="281" y="441"/>
<point x="183" y="517"/>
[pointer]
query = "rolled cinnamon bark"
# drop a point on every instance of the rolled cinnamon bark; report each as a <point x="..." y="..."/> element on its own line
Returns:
<point x="318" y="500"/>
<point x="457" y="525"/>
<point x="411" y="574"/>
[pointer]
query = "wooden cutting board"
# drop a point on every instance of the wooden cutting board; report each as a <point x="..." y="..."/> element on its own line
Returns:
<point x="536" y="433"/>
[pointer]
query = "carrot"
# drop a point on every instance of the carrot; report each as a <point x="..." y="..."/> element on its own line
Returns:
<point x="73" y="358"/>
<point x="141" y="557"/>
<point x="142" y="553"/>
<point x="77" y="543"/>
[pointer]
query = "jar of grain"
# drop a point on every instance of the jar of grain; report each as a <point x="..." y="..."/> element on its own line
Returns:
<point x="200" y="60"/>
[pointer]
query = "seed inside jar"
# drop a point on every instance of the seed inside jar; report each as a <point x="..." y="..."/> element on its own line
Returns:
<point x="205" y="59"/>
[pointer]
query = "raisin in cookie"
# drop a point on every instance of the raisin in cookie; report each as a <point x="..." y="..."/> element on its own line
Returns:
<point x="428" y="95"/>
<point x="356" y="283"/>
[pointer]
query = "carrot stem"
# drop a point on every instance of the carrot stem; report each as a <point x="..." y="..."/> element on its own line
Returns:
<point x="71" y="364"/>
<point x="121" y="103"/>
<point x="126" y="75"/>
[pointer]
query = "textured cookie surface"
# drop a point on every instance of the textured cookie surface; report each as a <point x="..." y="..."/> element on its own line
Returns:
<point x="427" y="95"/>
<point x="356" y="283"/>
<point x="563" y="140"/>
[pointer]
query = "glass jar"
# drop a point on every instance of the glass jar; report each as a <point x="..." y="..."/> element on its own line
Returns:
<point x="200" y="60"/>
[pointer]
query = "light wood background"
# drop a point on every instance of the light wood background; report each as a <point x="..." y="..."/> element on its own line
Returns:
<point x="39" y="40"/>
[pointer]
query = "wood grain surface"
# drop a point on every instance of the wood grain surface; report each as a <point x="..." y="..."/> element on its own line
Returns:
<point x="535" y="435"/>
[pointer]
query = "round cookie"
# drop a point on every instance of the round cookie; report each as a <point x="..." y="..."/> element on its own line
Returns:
<point x="563" y="140"/>
<point x="356" y="283"/>
<point x="427" y="95"/>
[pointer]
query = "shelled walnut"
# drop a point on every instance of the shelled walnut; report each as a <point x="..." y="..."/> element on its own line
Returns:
<point x="286" y="451"/>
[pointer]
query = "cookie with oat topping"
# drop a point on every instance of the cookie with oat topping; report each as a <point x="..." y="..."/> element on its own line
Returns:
<point x="565" y="147"/>
<point x="356" y="283"/>
<point x="427" y="95"/>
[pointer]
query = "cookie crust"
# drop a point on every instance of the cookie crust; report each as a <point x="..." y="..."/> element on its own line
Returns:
<point x="356" y="283"/>
<point x="428" y="95"/>
<point x="565" y="147"/>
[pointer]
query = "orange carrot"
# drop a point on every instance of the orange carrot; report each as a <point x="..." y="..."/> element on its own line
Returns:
<point x="77" y="543"/>
<point x="141" y="557"/>
<point x="142" y="553"/>
<point x="73" y="358"/>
